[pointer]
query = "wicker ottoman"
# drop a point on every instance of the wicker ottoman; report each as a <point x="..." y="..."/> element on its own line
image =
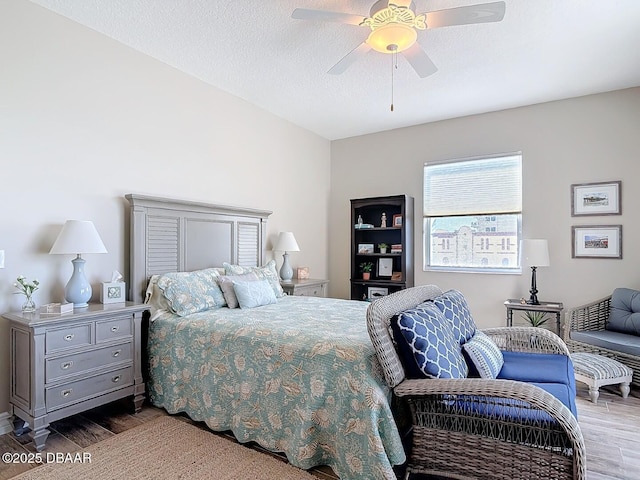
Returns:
<point x="597" y="371"/>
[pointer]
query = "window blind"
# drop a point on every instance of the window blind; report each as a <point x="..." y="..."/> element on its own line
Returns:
<point x="473" y="186"/>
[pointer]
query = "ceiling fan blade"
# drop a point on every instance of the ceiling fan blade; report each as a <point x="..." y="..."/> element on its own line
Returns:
<point x="325" y="16"/>
<point x="482" y="13"/>
<point x="420" y="61"/>
<point x="350" y="58"/>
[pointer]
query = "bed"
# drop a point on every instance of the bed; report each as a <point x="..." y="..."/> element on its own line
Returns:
<point x="298" y="376"/>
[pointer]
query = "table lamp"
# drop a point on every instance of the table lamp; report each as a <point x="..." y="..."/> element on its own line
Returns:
<point x="75" y="238"/>
<point x="534" y="253"/>
<point x="286" y="243"/>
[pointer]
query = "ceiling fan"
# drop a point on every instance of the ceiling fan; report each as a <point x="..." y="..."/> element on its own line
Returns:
<point x="394" y="28"/>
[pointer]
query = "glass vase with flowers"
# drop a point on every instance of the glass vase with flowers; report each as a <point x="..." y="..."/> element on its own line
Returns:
<point x="27" y="288"/>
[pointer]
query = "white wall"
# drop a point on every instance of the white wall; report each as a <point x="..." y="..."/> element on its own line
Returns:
<point x="587" y="139"/>
<point x="85" y="120"/>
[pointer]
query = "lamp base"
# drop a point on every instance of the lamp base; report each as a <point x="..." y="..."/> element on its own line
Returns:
<point x="78" y="290"/>
<point x="533" y="299"/>
<point x="286" y="272"/>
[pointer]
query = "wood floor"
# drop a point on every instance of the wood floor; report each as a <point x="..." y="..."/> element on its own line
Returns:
<point x="611" y="431"/>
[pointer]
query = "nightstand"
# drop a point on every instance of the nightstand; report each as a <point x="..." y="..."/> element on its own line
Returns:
<point x="65" y="364"/>
<point x="307" y="288"/>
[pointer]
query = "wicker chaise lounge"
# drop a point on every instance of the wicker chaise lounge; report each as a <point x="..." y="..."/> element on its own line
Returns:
<point x="476" y="427"/>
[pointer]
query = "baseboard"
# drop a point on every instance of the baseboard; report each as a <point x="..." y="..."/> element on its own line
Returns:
<point x="6" y="423"/>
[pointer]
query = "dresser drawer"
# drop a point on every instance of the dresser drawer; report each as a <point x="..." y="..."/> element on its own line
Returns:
<point x="67" y="337"/>
<point x="57" y="368"/>
<point x="114" y="328"/>
<point x="73" y="392"/>
<point x="310" y="291"/>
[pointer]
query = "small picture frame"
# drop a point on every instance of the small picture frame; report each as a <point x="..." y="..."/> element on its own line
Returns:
<point x="365" y="248"/>
<point x="385" y="267"/>
<point x="376" y="292"/>
<point x="596" y="241"/>
<point x="302" y="273"/>
<point x="112" y="292"/>
<point x="602" y="198"/>
<point x="397" y="220"/>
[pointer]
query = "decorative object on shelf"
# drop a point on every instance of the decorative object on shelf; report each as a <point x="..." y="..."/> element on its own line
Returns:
<point x="359" y="224"/>
<point x="397" y="220"/>
<point x="55" y="309"/>
<point x="383" y="247"/>
<point x="383" y="220"/>
<point x="534" y="253"/>
<point x="385" y="267"/>
<point x="78" y="237"/>
<point x="27" y="288"/>
<point x="603" y="198"/>
<point x="396" y="276"/>
<point x="596" y="241"/>
<point x="302" y="273"/>
<point x="396" y="248"/>
<point x="376" y="292"/>
<point x="365" y="268"/>
<point x="535" y="319"/>
<point x="286" y="243"/>
<point x="365" y="248"/>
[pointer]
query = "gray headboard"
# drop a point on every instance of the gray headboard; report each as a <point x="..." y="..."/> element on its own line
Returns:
<point x="169" y="235"/>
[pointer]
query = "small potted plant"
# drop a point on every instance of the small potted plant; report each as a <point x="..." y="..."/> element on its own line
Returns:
<point x="536" y="319"/>
<point x="365" y="268"/>
<point x="383" y="247"/>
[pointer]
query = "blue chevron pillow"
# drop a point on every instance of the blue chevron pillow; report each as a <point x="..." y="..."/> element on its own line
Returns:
<point x="456" y="309"/>
<point x="426" y="337"/>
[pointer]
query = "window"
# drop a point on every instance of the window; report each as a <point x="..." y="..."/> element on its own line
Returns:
<point x="476" y="205"/>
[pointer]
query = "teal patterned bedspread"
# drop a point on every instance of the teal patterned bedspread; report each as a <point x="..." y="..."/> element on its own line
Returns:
<point x="298" y="377"/>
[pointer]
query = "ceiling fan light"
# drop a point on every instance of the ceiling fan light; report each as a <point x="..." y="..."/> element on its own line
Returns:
<point x="392" y="38"/>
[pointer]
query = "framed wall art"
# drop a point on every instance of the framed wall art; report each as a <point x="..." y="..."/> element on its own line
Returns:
<point x="596" y="241"/>
<point x="385" y="267"/>
<point x="596" y="199"/>
<point x="365" y="248"/>
<point x="376" y="292"/>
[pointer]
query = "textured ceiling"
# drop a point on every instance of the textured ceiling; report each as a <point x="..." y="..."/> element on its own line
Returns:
<point x="543" y="50"/>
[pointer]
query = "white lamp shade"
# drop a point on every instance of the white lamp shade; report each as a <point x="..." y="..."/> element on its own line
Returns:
<point x="534" y="252"/>
<point x="77" y="237"/>
<point x="287" y="243"/>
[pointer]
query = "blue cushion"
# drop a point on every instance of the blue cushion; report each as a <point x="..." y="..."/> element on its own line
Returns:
<point x="620" y="342"/>
<point x="428" y="341"/>
<point x="563" y="392"/>
<point x="455" y="308"/>
<point x="506" y="408"/>
<point x="253" y="294"/>
<point x="484" y="354"/>
<point x="537" y="367"/>
<point x="624" y="315"/>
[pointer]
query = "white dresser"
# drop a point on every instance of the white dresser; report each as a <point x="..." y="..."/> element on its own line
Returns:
<point x="66" y="364"/>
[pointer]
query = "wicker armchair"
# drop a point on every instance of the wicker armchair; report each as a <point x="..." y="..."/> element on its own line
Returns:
<point x="593" y="317"/>
<point x="455" y="434"/>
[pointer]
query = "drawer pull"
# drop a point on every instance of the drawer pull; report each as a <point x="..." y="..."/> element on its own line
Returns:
<point x="66" y="393"/>
<point x="116" y="379"/>
<point x="115" y="328"/>
<point x="66" y="366"/>
<point x="116" y="353"/>
<point x="69" y="337"/>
